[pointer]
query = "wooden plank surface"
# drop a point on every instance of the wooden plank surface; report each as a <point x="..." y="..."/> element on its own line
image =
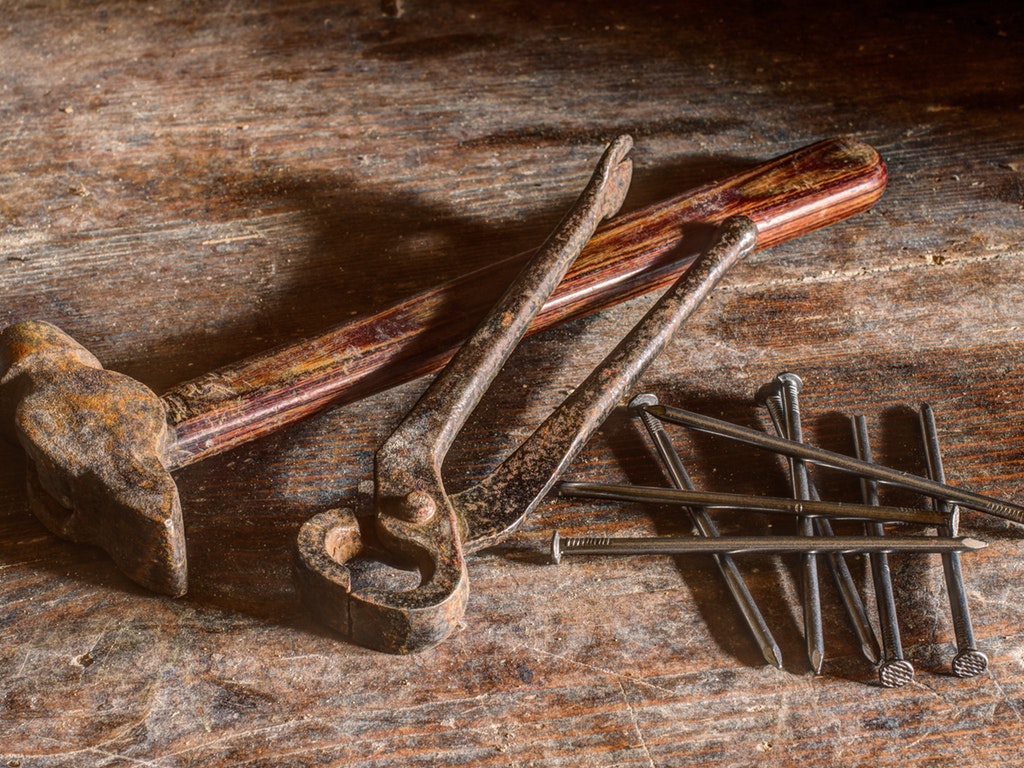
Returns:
<point x="183" y="184"/>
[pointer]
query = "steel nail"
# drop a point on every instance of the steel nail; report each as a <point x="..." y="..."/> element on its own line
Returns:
<point x="771" y="545"/>
<point x="894" y="670"/>
<point x="969" y="661"/>
<point x="702" y="520"/>
<point x="741" y="501"/>
<point x="850" y="596"/>
<point x="814" y="635"/>
<point x="771" y="504"/>
<point x="1005" y="509"/>
<point x="771" y="396"/>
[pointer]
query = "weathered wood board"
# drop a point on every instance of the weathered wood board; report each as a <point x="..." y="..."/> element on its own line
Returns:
<point x="183" y="184"/>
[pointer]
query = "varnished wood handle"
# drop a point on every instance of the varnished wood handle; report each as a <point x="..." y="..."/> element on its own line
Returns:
<point x="633" y="254"/>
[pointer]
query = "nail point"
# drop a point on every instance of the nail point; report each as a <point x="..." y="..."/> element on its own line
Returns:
<point x="773" y="655"/>
<point x="817" y="659"/>
<point x="869" y="651"/>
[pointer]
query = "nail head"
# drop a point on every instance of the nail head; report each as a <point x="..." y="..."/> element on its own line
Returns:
<point x="790" y="379"/>
<point x="556" y="548"/>
<point x="645" y="399"/>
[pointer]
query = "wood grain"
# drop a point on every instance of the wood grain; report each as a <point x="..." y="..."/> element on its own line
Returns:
<point x="183" y="186"/>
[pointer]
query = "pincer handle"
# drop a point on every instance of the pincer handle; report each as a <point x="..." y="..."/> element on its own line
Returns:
<point x="416" y="523"/>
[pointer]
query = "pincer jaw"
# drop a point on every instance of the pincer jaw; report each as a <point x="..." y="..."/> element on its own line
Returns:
<point x="416" y="520"/>
<point x="330" y="548"/>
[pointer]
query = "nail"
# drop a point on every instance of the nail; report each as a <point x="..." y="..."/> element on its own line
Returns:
<point x="771" y="396"/>
<point x="789" y="427"/>
<point x="822" y="457"/>
<point x="855" y="610"/>
<point x="969" y="661"/>
<point x="894" y="670"/>
<point x="774" y="504"/>
<point x="702" y="520"/>
<point x="790" y="385"/>
<point x="771" y="545"/>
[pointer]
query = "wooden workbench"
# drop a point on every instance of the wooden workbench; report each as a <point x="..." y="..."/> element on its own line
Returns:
<point x="183" y="184"/>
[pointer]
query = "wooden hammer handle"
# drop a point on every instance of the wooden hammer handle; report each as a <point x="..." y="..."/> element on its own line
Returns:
<point x="630" y="255"/>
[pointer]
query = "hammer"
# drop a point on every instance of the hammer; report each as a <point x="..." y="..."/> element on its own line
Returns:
<point x="101" y="446"/>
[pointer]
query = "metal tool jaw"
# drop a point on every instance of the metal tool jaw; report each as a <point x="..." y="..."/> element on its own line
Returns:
<point x="417" y="524"/>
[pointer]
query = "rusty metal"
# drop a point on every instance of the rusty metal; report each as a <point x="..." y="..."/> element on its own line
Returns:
<point x="417" y="524"/>
<point x="94" y="441"/>
<point x="101" y="447"/>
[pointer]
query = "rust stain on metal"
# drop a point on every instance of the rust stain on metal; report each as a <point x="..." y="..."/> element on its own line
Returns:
<point x="95" y="441"/>
<point x="100" y="446"/>
<point x="417" y="523"/>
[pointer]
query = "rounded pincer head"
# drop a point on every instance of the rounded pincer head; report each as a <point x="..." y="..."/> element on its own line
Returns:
<point x="94" y="441"/>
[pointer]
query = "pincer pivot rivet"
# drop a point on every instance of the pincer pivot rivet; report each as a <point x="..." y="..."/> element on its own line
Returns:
<point x="417" y="507"/>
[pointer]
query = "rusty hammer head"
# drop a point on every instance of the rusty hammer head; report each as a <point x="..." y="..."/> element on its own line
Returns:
<point x="94" y="441"/>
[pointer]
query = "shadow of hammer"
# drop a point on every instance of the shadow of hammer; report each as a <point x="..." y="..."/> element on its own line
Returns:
<point x="101" y="446"/>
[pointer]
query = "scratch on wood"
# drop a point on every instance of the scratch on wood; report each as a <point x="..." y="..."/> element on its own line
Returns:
<point x="240" y="737"/>
<point x="843" y="275"/>
<point x="636" y="724"/>
<point x="432" y="704"/>
<point x="233" y="239"/>
<point x="28" y="656"/>
<point x="602" y="670"/>
<point x="781" y="732"/>
<point x="923" y="684"/>
<point x="1008" y="701"/>
<point x="68" y="751"/>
